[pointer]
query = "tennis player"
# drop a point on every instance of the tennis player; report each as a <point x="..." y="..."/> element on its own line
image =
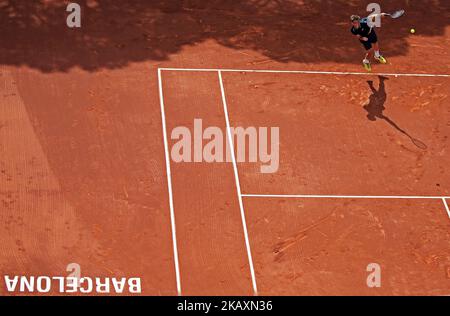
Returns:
<point x="368" y="38"/>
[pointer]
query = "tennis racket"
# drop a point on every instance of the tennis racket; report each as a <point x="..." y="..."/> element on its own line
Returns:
<point x="419" y="143"/>
<point x="396" y="14"/>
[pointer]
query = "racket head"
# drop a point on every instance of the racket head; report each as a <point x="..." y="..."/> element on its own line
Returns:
<point x="397" y="14"/>
<point x="419" y="144"/>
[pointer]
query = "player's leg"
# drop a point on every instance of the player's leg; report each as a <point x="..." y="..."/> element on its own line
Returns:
<point x="378" y="56"/>
<point x="366" y="61"/>
<point x="376" y="49"/>
<point x="373" y="39"/>
<point x="367" y="56"/>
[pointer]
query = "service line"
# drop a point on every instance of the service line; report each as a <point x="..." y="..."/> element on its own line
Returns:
<point x="311" y="72"/>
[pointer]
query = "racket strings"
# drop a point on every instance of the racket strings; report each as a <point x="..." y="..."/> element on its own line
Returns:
<point x="397" y="14"/>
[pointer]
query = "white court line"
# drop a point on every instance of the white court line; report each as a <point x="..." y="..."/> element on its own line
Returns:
<point x="446" y="206"/>
<point x="306" y="72"/>
<point x="405" y="197"/>
<point x="306" y="196"/>
<point x="238" y="186"/>
<point x="169" y="185"/>
<point x="240" y="195"/>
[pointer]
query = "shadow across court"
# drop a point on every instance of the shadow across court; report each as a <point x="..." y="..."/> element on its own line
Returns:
<point x="115" y="33"/>
<point x="375" y="109"/>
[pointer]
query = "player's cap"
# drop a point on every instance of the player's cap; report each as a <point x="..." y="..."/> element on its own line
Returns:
<point x="354" y="18"/>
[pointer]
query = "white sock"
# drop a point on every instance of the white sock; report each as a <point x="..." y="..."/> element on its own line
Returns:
<point x="377" y="53"/>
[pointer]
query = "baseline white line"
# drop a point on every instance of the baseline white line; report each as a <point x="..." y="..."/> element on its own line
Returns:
<point x="169" y="185"/>
<point x="306" y="72"/>
<point x="446" y="206"/>
<point x="238" y="186"/>
<point x="342" y="196"/>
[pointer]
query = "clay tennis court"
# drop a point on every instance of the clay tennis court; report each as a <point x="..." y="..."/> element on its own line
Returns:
<point x="86" y="175"/>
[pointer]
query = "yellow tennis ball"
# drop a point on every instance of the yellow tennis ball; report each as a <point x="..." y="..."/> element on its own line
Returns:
<point x="413" y="31"/>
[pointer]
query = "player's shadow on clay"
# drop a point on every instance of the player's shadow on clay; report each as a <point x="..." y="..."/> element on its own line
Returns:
<point x="375" y="109"/>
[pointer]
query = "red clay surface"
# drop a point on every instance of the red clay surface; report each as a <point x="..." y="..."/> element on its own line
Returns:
<point x="81" y="180"/>
<point x="329" y="146"/>
<point x="82" y="167"/>
<point x="322" y="247"/>
<point x="213" y="259"/>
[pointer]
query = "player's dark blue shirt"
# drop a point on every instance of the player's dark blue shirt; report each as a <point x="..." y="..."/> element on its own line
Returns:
<point x="364" y="29"/>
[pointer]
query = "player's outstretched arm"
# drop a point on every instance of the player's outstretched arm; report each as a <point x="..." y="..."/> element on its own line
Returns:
<point x="372" y="17"/>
